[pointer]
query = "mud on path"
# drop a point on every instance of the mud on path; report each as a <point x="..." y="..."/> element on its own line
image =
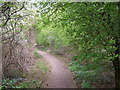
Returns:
<point x="60" y="76"/>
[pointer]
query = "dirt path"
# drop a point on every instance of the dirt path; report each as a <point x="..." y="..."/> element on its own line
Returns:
<point x="60" y="76"/>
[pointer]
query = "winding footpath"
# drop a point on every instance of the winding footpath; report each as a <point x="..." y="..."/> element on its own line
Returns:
<point x="60" y="76"/>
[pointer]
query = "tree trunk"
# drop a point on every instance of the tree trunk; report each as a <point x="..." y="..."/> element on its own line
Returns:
<point x="116" y="64"/>
<point x="116" y="61"/>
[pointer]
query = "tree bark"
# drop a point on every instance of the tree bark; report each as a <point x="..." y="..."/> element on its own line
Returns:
<point x="116" y="61"/>
<point x="116" y="64"/>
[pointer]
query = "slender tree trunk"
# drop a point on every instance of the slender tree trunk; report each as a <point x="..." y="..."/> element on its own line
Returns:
<point x="116" y="64"/>
<point x="116" y="61"/>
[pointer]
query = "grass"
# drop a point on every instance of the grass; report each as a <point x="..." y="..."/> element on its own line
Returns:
<point x="37" y="55"/>
<point x="43" y="48"/>
<point x="36" y="75"/>
<point x="30" y="84"/>
<point x="41" y="66"/>
<point x="11" y="83"/>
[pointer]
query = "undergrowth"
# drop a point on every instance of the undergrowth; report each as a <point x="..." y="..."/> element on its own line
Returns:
<point x="41" y="66"/>
<point x="33" y="78"/>
<point x="89" y="75"/>
<point x="14" y="83"/>
<point x="37" y="55"/>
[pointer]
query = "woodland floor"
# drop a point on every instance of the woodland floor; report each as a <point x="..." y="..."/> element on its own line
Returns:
<point x="58" y="76"/>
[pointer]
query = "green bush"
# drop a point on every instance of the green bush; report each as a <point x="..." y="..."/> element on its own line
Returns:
<point x="84" y="73"/>
<point x="30" y="84"/>
<point x="11" y="83"/>
<point x="85" y="84"/>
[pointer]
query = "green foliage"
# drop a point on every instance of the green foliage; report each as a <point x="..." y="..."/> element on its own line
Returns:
<point x="43" y="48"/>
<point x="41" y="66"/>
<point x="85" y="84"/>
<point x="74" y="25"/>
<point x="90" y="29"/>
<point x="30" y="84"/>
<point x="8" y="83"/>
<point x="1" y="87"/>
<point x="37" y="55"/>
<point x="50" y="34"/>
<point x="1" y="1"/>
<point x="14" y="83"/>
<point x="84" y="72"/>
